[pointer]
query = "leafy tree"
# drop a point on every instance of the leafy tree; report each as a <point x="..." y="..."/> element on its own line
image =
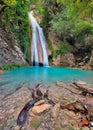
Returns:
<point x="74" y="22"/>
<point x="14" y="20"/>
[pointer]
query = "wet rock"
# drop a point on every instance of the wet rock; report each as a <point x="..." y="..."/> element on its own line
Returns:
<point x="81" y="83"/>
<point x="10" y="111"/>
<point x="1" y="119"/>
<point x="85" y="128"/>
<point x="39" y="102"/>
<point x="55" y="111"/>
<point x="11" y="123"/>
<point x="60" y="83"/>
<point x="57" y="128"/>
<point x="5" y="128"/>
<point x="16" y="128"/>
<point x="41" y="108"/>
<point x="35" y="122"/>
<point x="1" y="71"/>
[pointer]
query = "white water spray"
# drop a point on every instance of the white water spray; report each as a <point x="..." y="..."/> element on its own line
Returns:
<point x="38" y="46"/>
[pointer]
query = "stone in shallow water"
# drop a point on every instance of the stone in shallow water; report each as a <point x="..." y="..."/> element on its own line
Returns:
<point x="59" y="83"/>
<point x="81" y="83"/>
<point x="16" y="128"/>
<point x="11" y="123"/>
<point x="1" y="71"/>
<point x="35" y="122"/>
<point x="41" y="108"/>
<point x="55" y="111"/>
<point x="39" y="102"/>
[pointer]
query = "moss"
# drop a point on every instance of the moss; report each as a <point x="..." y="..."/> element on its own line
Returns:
<point x="1" y="122"/>
<point x="71" y="128"/>
<point x="49" y="45"/>
<point x="35" y="122"/>
<point x="57" y="128"/>
<point x="10" y="66"/>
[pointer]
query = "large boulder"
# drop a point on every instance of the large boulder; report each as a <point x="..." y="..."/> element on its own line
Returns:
<point x="10" y="55"/>
<point x="68" y="60"/>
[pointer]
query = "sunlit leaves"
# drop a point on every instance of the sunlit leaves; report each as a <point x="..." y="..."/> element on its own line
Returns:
<point x="83" y="26"/>
<point x="10" y="2"/>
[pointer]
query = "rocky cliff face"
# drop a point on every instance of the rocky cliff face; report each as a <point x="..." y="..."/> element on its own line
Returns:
<point x="82" y="59"/>
<point x="91" y="59"/>
<point x="10" y="55"/>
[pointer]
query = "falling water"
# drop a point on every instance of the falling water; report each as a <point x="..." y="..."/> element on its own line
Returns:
<point x="38" y="46"/>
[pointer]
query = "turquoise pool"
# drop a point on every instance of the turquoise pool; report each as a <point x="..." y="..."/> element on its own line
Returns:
<point x="47" y="75"/>
<point x="30" y="76"/>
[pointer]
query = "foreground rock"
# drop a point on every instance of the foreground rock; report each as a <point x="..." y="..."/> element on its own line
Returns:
<point x="52" y="118"/>
<point x="40" y="108"/>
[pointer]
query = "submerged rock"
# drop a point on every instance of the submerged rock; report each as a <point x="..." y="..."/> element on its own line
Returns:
<point x="81" y="83"/>
<point x="55" y="111"/>
<point x="35" y="122"/>
<point x="39" y="102"/>
<point x="1" y="71"/>
<point x="41" y="108"/>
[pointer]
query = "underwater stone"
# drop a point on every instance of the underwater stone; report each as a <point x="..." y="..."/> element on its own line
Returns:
<point x="41" y="108"/>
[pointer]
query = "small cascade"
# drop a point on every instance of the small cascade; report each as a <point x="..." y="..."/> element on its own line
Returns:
<point x="39" y="54"/>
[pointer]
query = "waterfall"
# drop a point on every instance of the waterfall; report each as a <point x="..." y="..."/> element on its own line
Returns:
<point x="38" y="46"/>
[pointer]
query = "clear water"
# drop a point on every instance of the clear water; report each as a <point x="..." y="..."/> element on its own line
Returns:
<point x="48" y="75"/>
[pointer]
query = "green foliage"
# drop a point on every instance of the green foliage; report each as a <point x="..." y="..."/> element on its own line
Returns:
<point x="15" y="20"/>
<point x="63" y="49"/>
<point x="67" y="18"/>
<point x="10" y="2"/>
<point x="82" y="26"/>
<point x="57" y="128"/>
<point x="73" y="22"/>
<point x="50" y="45"/>
<point x="10" y="66"/>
